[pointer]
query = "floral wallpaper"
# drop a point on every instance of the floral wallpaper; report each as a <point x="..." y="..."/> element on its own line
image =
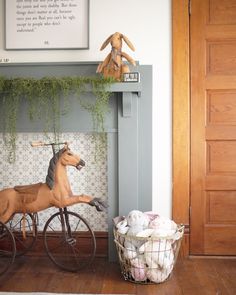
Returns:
<point x="32" y="163"/>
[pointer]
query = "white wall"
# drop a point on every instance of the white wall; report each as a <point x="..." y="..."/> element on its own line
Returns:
<point x="148" y="25"/>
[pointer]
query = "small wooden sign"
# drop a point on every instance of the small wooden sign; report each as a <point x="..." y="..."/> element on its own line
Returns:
<point x="131" y="77"/>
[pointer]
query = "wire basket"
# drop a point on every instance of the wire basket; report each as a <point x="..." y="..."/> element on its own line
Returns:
<point x="148" y="260"/>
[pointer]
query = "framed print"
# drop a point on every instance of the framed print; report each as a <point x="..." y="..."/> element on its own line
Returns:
<point x="46" y="24"/>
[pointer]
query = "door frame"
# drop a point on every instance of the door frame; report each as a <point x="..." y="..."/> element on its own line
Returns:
<point x="181" y="117"/>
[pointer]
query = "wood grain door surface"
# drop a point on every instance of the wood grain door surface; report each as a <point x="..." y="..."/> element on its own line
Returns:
<point x="213" y="127"/>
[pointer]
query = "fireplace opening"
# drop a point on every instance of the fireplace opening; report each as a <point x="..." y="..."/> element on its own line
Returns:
<point x="31" y="167"/>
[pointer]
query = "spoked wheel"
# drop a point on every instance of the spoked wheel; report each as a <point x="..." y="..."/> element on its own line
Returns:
<point x="7" y="248"/>
<point x="69" y="241"/>
<point x="24" y="230"/>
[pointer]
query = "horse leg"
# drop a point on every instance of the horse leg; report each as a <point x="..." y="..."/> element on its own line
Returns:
<point x="75" y="199"/>
<point x="6" y="215"/>
<point x="68" y="201"/>
<point x="7" y="208"/>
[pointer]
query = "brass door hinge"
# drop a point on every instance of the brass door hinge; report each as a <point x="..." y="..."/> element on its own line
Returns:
<point x="189" y="7"/>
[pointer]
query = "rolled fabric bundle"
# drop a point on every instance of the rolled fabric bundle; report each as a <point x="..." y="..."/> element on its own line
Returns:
<point x="157" y="253"/>
<point x="157" y="275"/>
<point x="122" y="226"/>
<point x="138" y="268"/>
<point x="130" y="251"/>
<point x="163" y="226"/>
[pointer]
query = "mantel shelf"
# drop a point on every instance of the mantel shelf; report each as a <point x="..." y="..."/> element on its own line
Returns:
<point x="132" y="87"/>
<point x="127" y="89"/>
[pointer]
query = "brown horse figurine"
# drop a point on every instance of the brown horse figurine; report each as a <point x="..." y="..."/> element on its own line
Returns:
<point x="55" y="192"/>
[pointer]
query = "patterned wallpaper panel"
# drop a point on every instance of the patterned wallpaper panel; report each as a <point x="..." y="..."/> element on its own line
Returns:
<point x="32" y="163"/>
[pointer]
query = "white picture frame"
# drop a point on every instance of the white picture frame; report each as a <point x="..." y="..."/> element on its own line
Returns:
<point x="46" y="24"/>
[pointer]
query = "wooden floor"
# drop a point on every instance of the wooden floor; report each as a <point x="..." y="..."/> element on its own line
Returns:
<point x="190" y="276"/>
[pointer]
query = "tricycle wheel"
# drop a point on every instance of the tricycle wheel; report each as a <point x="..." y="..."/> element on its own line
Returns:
<point x="7" y="248"/>
<point x="69" y="241"/>
<point x="24" y="230"/>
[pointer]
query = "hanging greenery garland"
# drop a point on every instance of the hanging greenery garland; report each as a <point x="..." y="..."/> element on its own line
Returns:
<point x="48" y="98"/>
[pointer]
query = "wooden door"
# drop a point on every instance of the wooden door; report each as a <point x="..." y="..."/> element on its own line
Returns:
<point x="213" y="127"/>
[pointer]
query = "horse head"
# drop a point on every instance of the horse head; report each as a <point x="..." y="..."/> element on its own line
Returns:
<point x="68" y="158"/>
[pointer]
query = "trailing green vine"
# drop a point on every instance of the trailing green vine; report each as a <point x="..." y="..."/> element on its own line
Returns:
<point x="47" y="98"/>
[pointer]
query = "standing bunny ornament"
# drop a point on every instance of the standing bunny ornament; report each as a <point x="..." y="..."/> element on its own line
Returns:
<point x="113" y="65"/>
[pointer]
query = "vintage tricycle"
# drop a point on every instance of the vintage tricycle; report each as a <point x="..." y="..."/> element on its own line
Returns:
<point x="68" y="239"/>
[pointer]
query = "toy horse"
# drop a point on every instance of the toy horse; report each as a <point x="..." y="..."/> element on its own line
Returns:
<point x="55" y="192"/>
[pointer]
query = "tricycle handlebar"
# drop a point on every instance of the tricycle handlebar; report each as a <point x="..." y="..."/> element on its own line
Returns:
<point x="41" y="143"/>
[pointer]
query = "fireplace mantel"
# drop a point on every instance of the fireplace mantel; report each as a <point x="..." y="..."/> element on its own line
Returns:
<point x="128" y="127"/>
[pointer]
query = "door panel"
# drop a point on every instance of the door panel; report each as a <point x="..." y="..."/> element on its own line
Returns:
<point x="219" y="202"/>
<point x="221" y="57"/>
<point x="213" y="127"/>
<point x="222" y="12"/>
<point x="221" y="108"/>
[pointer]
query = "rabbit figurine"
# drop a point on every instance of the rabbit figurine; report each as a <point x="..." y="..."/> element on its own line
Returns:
<point x="113" y="65"/>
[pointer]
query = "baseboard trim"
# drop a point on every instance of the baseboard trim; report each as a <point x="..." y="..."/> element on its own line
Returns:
<point x="101" y="245"/>
<point x="184" y="249"/>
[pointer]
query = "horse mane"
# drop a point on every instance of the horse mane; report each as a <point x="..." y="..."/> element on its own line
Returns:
<point x="51" y="168"/>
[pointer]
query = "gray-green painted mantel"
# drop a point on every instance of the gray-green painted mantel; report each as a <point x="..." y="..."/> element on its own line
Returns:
<point x="129" y="128"/>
